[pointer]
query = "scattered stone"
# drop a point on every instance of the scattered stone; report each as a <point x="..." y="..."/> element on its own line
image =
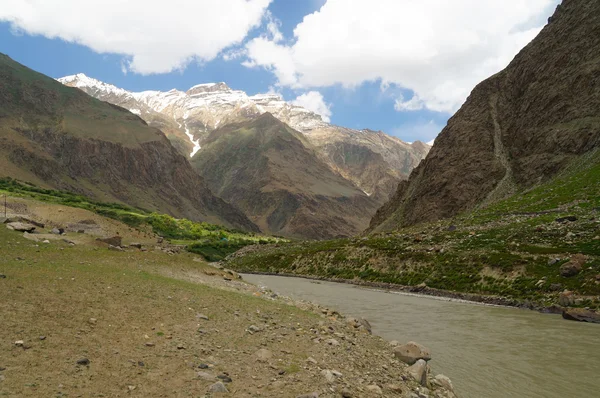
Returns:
<point x="359" y="323"/>
<point x="203" y="366"/>
<point x="112" y="241"/>
<point x="581" y="315"/>
<point x="83" y="362"/>
<point x="2" y="276"/>
<point x="253" y="329"/>
<point x="225" y="378"/>
<point x="92" y="321"/>
<point x="218" y="387"/>
<point x="142" y="364"/>
<point x="346" y="394"/>
<point x="555" y="287"/>
<point x="29" y="236"/>
<point x="131" y="388"/>
<point x="180" y="347"/>
<point x="149" y="344"/>
<point x="42" y="338"/>
<point x="565" y="219"/>
<point x="444" y="382"/>
<point x="410" y="352"/>
<point x="205" y="376"/>
<point x="136" y="245"/>
<point x="419" y="371"/>
<point x="115" y="248"/>
<point x="263" y="355"/>
<point x="332" y="342"/>
<point x="46" y="241"/>
<point x="202" y="316"/>
<point x="311" y="360"/>
<point x="394" y="387"/>
<point x="329" y="376"/>
<point x="452" y="228"/>
<point x="57" y="231"/>
<point x="21" y="227"/>
<point x="19" y="343"/>
<point x="374" y="388"/>
<point x="311" y="395"/>
<point x="574" y="266"/>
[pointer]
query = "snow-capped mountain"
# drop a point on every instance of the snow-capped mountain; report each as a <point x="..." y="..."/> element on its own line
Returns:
<point x="188" y="117"/>
<point x="207" y="105"/>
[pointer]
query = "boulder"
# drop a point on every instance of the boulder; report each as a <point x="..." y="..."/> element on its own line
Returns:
<point x="114" y="241"/>
<point x="29" y="236"/>
<point x="444" y="382"/>
<point x="263" y="355"/>
<point x="136" y="245"/>
<point x="359" y="323"/>
<point x="581" y="315"/>
<point x="419" y="372"/>
<point x="21" y="226"/>
<point x="566" y="298"/>
<point x="574" y="266"/>
<point x="218" y="387"/>
<point x="57" y="231"/>
<point x="411" y="352"/>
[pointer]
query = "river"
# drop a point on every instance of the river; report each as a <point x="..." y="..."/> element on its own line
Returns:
<point x="488" y="352"/>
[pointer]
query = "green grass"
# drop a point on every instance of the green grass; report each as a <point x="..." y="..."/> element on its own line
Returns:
<point x="214" y="242"/>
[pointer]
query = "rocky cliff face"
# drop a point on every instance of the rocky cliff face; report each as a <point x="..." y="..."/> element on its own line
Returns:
<point x="271" y="172"/>
<point x="518" y="128"/>
<point x="188" y="118"/>
<point x="59" y="137"/>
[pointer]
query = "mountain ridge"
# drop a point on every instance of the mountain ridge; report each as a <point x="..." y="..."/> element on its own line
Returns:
<point x="188" y="117"/>
<point x="517" y="129"/>
<point x="60" y="137"/>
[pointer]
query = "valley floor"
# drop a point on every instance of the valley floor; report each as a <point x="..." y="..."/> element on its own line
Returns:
<point x="82" y="320"/>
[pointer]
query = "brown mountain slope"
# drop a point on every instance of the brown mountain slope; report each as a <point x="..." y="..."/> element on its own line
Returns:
<point x="271" y="172"/>
<point x="518" y="128"/>
<point x="60" y="137"/>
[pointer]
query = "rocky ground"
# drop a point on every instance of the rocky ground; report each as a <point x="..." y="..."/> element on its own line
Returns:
<point x="83" y="319"/>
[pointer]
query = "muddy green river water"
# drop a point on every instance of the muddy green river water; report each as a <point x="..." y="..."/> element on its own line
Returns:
<point x="488" y="352"/>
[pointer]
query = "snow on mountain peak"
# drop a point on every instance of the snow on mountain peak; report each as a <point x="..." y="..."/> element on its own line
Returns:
<point x="80" y="80"/>
<point x="212" y="102"/>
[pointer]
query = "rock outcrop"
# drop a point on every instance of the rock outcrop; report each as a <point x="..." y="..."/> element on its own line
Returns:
<point x="518" y="128"/>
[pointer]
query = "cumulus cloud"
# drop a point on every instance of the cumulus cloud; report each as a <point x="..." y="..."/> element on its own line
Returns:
<point x="156" y="36"/>
<point x="438" y="49"/>
<point x="314" y="101"/>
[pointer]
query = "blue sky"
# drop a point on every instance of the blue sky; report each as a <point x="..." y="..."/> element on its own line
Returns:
<point x="398" y="74"/>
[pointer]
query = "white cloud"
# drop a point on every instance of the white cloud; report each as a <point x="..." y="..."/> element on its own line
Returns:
<point x="438" y="49"/>
<point x="273" y="25"/>
<point x="158" y="36"/>
<point x="414" y="104"/>
<point x="314" y="101"/>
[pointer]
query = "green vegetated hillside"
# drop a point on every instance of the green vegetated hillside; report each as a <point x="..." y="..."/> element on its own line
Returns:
<point x="61" y="138"/>
<point x="213" y="242"/>
<point x="524" y="249"/>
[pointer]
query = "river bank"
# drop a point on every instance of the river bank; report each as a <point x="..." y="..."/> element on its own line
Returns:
<point x="423" y="290"/>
